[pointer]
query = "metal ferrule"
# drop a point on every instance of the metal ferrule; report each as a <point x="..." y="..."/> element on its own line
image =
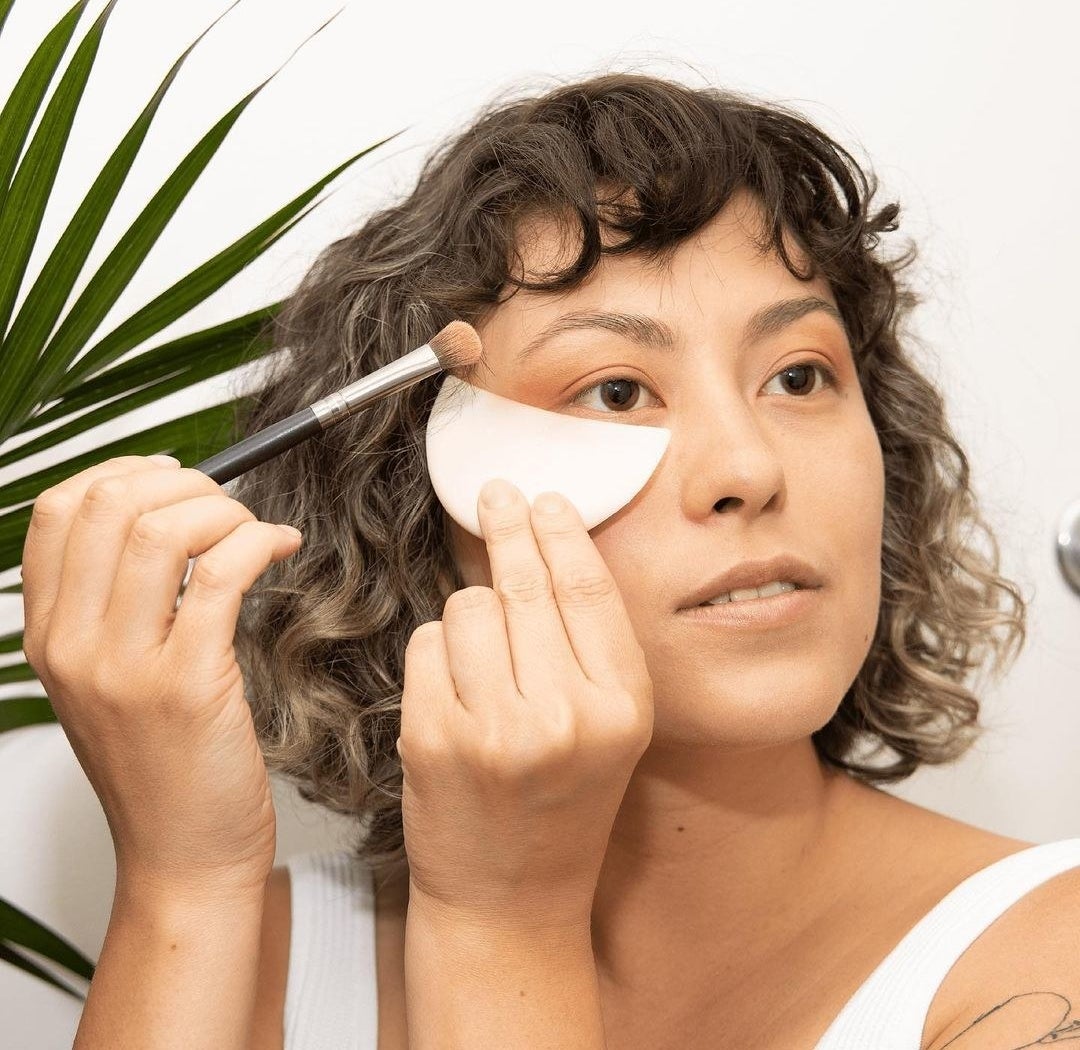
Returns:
<point x="411" y="368"/>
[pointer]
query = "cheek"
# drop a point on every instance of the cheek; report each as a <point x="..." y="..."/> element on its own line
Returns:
<point x="857" y="498"/>
<point x="629" y="547"/>
<point x="847" y="480"/>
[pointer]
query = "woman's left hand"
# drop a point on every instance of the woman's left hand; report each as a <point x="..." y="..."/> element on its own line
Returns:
<point x="524" y="712"/>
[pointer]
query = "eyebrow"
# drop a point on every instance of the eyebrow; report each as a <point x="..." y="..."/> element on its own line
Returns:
<point x="650" y="332"/>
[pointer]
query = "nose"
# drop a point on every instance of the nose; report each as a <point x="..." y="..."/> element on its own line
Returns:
<point x="725" y="457"/>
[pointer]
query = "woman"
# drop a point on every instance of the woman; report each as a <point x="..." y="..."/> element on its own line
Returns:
<point x="589" y="813"/>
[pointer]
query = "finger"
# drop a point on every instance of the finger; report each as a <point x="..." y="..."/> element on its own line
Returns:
<point x="205" y="623"/>
<point x="47" y="534"/>
<point x="593" y="612"/>
<point x="477" y="650"/>
<point x="155" y="560"/>
<point x="428" y="699"/>
<point x="539" y="646"/>
<point x="99" y="533"/>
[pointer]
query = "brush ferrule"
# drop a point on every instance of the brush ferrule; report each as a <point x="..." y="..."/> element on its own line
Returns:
<point x="411" y="368"/>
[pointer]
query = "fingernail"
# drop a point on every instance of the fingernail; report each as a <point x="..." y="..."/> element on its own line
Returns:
<point x="549" y="503"/>
<point x="165" y="461"/>
<point x="497" y="493"/>
<point x="291" y="531"/>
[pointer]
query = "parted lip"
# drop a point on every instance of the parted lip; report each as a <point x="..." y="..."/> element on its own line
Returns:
<point x="756" y="574"/>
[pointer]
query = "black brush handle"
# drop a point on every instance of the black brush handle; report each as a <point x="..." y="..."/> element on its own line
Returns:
<point x="259" y="447"/>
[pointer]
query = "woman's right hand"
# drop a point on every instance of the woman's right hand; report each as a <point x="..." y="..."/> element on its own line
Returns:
<point x="149" y="693"/>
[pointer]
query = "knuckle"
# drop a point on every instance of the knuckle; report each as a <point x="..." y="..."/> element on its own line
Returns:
<point x="51" y="506"/>
<point x="62" y="660"/>
<point x="30" y="650"/>
<point x="470" y="598"/>
<point x="150" y="536"/>
<point x="425" y="631"/>
<point x="524" y="586"/>
<point x="491" y="756"/>
<point x="211" y="576"/>
<point x="557" y="742"/>
<point x="419" y="750"/>
<point x="100" y="678"/>
<point x="105" y="497"/>
<point x="245" y="512"/>
<point x="507" y="528"/>
<point x="583" y="585"/>
<point x="556" y="525"/>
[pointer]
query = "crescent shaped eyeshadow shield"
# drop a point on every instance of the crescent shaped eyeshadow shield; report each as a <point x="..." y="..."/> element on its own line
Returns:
<point x="474" y="435"/>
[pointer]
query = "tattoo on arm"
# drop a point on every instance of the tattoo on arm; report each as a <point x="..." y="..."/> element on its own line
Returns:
<point x="1039" y="1010"/>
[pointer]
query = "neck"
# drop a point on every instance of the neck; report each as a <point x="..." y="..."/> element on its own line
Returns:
<point x="748" y="846"/>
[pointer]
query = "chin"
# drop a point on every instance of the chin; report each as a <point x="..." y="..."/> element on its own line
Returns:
<point x="743" y="711"/>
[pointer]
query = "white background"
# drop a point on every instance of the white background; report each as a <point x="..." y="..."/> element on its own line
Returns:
<point x="969" y="113"/>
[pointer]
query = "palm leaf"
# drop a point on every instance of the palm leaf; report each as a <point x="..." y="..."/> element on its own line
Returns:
<point x="25" y="100"/>
<point x="16" y="958"/>
<point x="11" y="643"/>
<point x="151" y="375"/>
<point x="5" y="7"/>
<point x="23" y="344"/>
<point x="19" y="711"/>
<point x="28" y="377"/>
<point x="190" y="438"/>
<point x="21" y="672"/>
<point x="202" y="282"/>
<point x="22" y="930"/>
<point x="52" y="376"/>
<point x="25" y="202"/>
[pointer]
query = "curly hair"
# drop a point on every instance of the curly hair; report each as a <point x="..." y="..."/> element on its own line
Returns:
<point x="321" y="636"/>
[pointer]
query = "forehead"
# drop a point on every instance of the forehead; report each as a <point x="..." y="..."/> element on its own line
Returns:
<point x="546" y="241"/>
<point x="721" y="273"/>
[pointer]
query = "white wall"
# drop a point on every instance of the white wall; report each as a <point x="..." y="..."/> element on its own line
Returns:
<point x="969" y="112"/>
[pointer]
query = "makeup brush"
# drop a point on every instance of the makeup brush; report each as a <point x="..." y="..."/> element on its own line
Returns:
<point x="455" y="346"/>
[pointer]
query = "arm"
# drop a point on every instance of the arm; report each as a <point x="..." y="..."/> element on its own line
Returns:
<point x="175" y="972"/>
<point x="475" y="987"/>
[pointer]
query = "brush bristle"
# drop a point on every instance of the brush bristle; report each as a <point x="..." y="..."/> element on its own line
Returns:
<point x="457" y="345"/>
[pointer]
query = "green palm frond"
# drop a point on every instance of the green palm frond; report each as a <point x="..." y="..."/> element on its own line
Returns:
<point x="20" y="931"/>
<point x="53" y="373"/>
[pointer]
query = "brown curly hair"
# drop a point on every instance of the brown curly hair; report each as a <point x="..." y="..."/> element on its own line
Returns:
<point x="322" y="635"/>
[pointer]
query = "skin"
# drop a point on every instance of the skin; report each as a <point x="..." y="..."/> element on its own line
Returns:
<point x="729" y="811"/>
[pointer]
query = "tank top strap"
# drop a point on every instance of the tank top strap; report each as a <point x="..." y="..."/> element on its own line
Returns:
<point x="888" y="1011"/>
<point x="331" y="997"/>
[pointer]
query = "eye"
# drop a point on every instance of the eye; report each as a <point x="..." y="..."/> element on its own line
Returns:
<point x="618" y="391"/>
<point x="801" y="376"/>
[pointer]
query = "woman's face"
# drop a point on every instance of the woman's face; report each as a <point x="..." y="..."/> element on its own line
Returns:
<point x="760" y="462"/>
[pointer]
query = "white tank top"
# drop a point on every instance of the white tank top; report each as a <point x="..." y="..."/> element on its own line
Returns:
<point x="331" y="993"/>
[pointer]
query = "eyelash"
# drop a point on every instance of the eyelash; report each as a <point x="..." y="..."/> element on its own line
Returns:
<point x="829" y="375"/>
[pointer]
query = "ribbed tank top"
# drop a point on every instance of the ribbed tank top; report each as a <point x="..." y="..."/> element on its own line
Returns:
<point x="331" y="993"/>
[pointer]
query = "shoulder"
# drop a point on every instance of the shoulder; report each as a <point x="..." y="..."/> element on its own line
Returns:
<point x="1018" y="983"/>
<point x="268" y="1026"/>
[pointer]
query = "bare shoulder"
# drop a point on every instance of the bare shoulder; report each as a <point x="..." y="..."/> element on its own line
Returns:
<point x="268" y="1029"/>
<point x="1018" y="984"/>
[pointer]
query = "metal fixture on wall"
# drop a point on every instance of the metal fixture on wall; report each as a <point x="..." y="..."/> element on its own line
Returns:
<point x="1068" y="546"/>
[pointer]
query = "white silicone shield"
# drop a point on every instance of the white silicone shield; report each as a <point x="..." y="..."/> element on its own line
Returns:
<point x="474" y="435"/>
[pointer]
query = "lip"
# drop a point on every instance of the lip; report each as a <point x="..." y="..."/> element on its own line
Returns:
<point x="779" y="610"/>
<point x="756" y="574"/>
